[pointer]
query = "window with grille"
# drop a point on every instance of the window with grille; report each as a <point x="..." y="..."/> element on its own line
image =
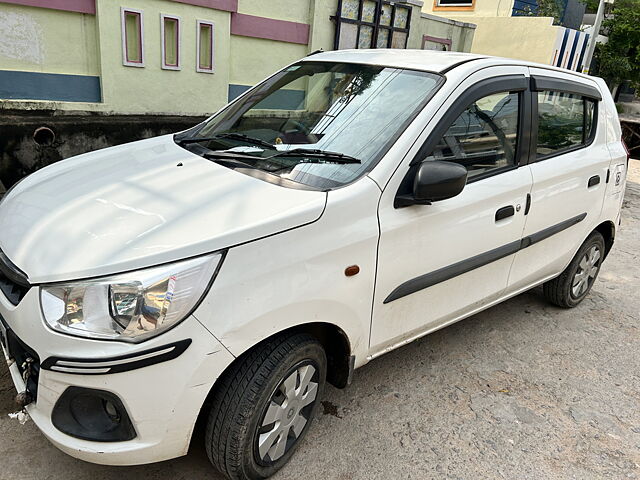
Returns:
<point x="372" y="24"/>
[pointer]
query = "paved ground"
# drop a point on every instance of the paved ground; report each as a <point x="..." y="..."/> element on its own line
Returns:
<point x="523" y="390"/>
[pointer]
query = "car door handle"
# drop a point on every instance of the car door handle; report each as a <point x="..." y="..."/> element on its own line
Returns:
<point x="593" y="181"/>
<point x="505" y="212"/>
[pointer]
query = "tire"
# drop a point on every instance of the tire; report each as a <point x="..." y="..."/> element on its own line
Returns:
<point x="574" y="283"/>
<point x="267" y="383"/>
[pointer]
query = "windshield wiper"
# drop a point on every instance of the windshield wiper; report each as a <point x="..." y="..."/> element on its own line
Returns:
<point x="233" y="160"/>
<point x="316" y="154"/>
<point x="238" y="160"/>
<point x="231" y="135"/>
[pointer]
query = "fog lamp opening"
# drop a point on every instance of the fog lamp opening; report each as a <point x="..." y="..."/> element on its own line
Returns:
<point x="94" y="415"/>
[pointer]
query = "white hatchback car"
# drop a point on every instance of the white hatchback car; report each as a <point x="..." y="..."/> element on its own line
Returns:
<point x="347" y="205"/>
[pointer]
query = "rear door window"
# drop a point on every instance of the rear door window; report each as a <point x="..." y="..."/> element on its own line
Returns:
<point x="566" y="121"/>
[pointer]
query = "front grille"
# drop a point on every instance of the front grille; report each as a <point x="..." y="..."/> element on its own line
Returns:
<point x="14" y="292"/>
<point x="26" y="359"/>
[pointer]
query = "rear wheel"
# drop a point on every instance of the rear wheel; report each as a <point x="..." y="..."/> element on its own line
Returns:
<point x="572" y="286"/>
<point x="264" y="405"/>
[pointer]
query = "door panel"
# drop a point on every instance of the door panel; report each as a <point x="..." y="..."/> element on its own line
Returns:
<point x="438" y="261"/>
<point x="566" y="202"/>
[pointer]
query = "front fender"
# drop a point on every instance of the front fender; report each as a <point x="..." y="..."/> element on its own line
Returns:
<point x="298" y="277"/>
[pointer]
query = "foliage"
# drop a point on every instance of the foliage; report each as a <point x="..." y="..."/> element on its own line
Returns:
<point x="556" y="134"/>
<point x="550" y="8"/>
<point x="592" y="5"/>
<point x="545" y="8"/>
<point x="618" y="60"/>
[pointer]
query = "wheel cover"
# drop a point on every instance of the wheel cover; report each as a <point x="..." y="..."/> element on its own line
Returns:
<point x="586" y="273"/>
<point x="287" y="413"/>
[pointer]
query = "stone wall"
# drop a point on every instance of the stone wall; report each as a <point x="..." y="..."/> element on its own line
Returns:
<point x="33" y="139"/>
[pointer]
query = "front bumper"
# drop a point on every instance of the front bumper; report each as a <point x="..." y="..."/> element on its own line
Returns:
<point x="162" y="400"/>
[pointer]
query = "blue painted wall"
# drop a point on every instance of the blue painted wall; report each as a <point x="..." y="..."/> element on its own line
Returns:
<point x="16" y="85"/>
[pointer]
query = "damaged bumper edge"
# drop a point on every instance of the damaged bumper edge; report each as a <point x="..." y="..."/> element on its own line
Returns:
<point x="162" y="400"/>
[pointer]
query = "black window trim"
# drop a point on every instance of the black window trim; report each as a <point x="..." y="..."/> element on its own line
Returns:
<point x="503" y="83"/>
<point x="540" y="84"/>
<point x="490" y="86"/>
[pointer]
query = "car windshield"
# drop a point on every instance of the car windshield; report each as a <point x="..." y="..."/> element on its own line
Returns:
<point x="321" y="124"/>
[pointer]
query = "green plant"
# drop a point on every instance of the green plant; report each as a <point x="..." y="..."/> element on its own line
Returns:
<point x="550" y="8"/>
<point x="592" y="5"/>
<point x="545" y="8"/>
<point x="618" y="60"/>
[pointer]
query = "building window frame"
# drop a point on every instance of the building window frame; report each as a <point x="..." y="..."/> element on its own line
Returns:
<point x="462" y="6"/>
<point x="212" y="42"/>
<point x="376" y="25"/>
<point x="124" y="11"/>
<point x="178" y="20"/>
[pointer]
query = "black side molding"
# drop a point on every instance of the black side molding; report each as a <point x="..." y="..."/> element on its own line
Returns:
<point x="548" y="232"/>
<point x="123" y="363"/>
<point x="539" y="83"/>
<point x="446" y="273"/>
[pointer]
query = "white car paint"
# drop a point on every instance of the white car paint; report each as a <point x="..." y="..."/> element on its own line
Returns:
<point x="131" y="206"/>
<point x="136" y="205"/>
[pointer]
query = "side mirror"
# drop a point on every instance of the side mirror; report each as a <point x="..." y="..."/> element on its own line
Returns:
<point x="434" y="181"/>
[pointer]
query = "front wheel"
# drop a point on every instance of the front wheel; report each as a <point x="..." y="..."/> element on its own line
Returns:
<point x="572" y="286"/>
<point x="263" y="406"/>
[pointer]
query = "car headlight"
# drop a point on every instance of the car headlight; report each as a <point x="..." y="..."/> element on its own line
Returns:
<point x="131" y="306"/>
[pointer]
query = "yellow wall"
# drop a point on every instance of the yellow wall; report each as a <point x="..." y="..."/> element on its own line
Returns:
<point x="253" y="59"/>
<point x="498" y="33"/>
<point x="73" y="43"/>
<point x="322" y="34"/>
<point x="290" y="10"/>
<point x="524" y="38"/>
<point x="152" y="89"/>
<point x="43" y="40"/>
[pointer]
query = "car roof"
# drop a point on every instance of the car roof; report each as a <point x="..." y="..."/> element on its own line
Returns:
<point x="426" y="60"/>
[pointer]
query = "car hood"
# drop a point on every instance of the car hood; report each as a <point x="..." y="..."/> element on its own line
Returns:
<point x="138" y="205"/>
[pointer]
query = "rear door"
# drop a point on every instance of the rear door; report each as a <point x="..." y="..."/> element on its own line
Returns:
<point x="569" y="160"/>
<point x="437" y="262"/>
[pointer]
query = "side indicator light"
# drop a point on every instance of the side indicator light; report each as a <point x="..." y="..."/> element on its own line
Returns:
<point x="352" y="270"/>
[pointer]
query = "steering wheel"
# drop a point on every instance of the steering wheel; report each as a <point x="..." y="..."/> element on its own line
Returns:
<point x="299" y="126"/>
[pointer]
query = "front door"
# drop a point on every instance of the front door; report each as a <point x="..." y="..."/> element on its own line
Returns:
<point x="437" y="262"/>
